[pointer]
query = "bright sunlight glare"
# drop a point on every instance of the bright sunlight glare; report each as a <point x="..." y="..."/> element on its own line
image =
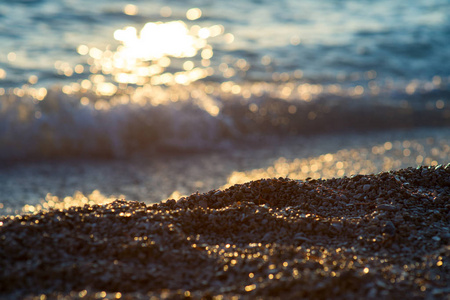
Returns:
<point x="143" y="57"/>
<point x="157" y="40"/>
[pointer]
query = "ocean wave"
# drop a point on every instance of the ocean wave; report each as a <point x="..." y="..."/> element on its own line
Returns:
<point x="201" y="116"/>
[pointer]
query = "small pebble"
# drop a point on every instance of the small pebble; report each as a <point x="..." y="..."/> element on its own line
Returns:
<point x="387" y="207"/>
<point x="389" y="228"/>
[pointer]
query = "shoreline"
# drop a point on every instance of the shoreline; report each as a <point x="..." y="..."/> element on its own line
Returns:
<point x="28" y="187"/>
<point x="367" y="236"/>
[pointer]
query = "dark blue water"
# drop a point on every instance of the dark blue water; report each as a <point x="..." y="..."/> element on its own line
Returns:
<point x="196" y="75"/>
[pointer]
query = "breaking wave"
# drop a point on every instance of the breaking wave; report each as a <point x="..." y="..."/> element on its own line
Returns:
<point x="201" y="116"/>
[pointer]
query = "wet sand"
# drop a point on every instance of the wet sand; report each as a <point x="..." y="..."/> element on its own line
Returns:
<point x="362" y="237"/>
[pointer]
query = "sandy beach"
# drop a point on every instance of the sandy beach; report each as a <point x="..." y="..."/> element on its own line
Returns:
<point x="373" y="236"/>
<point x="205" y="149"/>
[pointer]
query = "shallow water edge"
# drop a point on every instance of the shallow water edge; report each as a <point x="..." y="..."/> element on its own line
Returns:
<point x="30" y="186"/>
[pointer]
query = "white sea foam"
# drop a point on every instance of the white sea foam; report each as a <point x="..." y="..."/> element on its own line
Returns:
<point x="186" y="118"/>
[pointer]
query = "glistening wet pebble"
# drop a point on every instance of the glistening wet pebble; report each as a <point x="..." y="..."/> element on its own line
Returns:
<point x="372" y="237"/>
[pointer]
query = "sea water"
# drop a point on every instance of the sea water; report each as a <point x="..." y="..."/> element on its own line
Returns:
<point x="154" y="99"/>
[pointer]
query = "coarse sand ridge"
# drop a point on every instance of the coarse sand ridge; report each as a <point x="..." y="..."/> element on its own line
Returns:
<point x="364" y="237"/>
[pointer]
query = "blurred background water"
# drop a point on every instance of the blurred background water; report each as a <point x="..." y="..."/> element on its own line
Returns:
<point x="136" y="80"/>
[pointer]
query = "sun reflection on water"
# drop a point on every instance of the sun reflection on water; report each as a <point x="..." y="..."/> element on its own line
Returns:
<point x="156" y="40"/>
<point x="177" y="54"/>
<point x="162" y="53"/>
